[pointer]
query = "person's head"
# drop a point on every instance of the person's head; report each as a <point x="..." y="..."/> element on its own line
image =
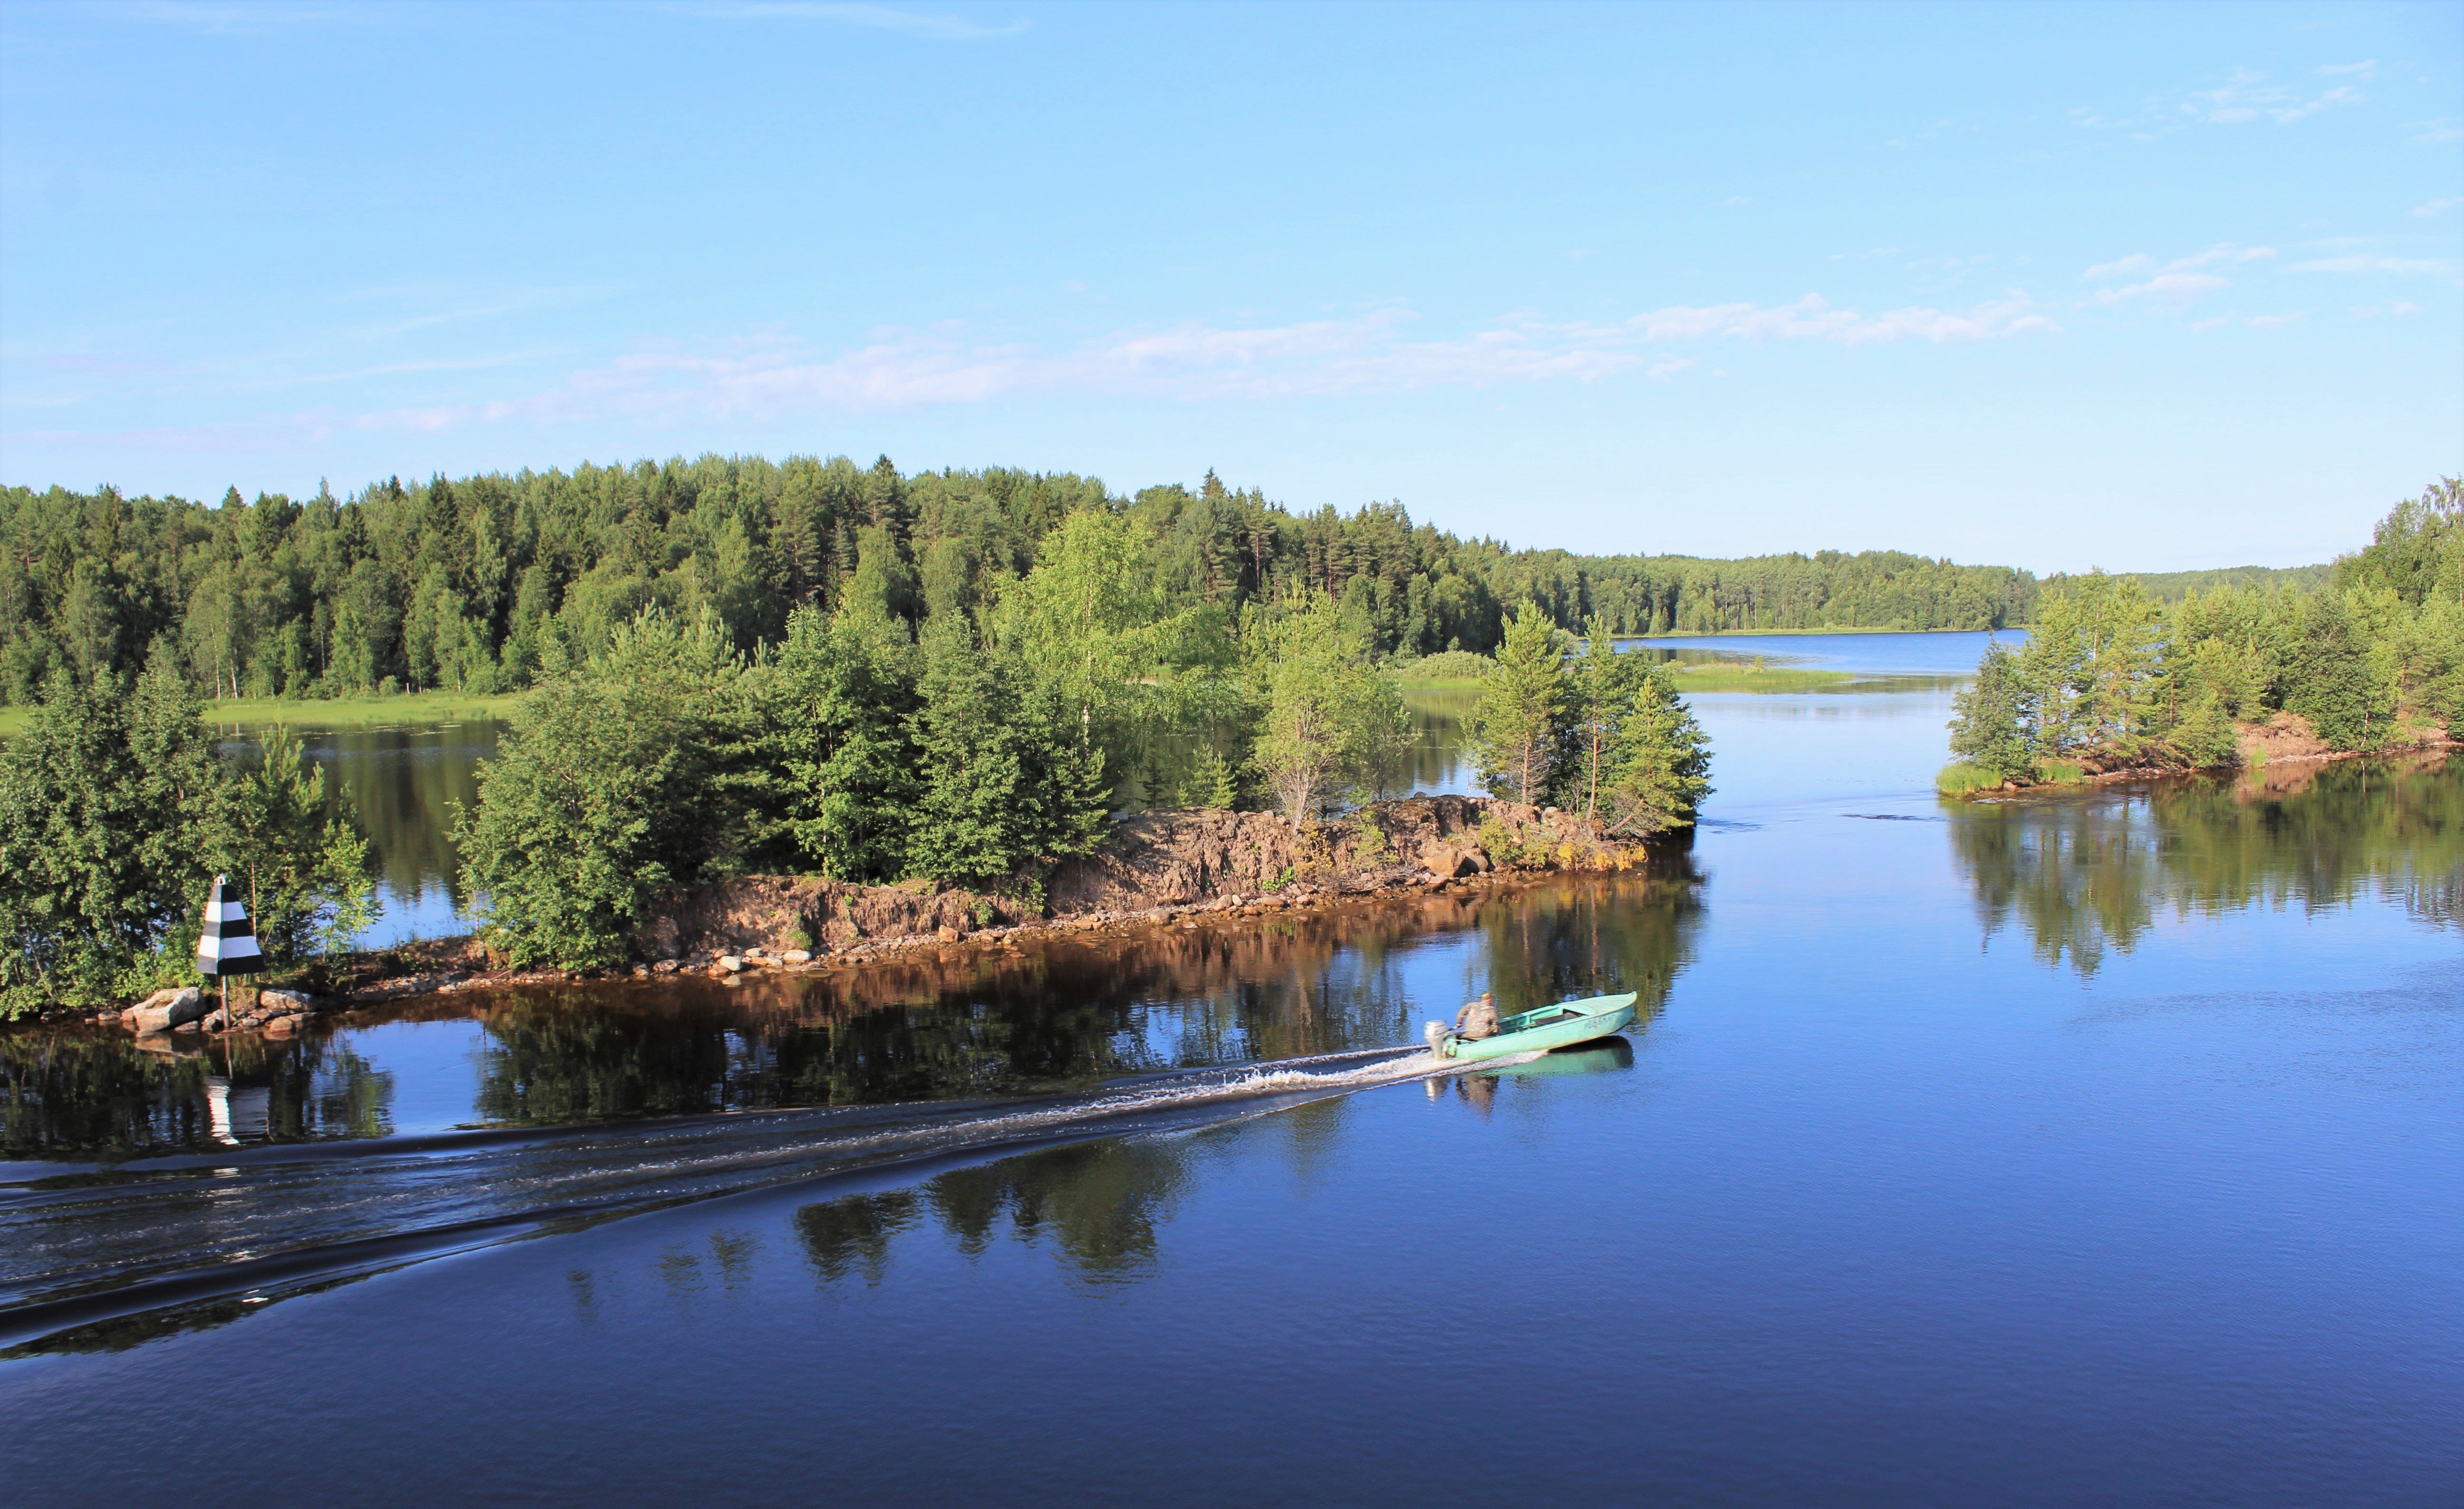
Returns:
<point x="1487" y="999"/>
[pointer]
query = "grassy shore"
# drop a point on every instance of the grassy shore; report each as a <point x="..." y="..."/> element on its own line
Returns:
<point x="424" y="709"/>
<point x="1750" y="633"/>
<point x="1717" y="676"/>
<point x="1691" y="676"/>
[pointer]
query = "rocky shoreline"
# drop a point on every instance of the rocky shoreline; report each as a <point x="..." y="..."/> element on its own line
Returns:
<point x="2284" y="739"/>
<point x="1157" y="870"/>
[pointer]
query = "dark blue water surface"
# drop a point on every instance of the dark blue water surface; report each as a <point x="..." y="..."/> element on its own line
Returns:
<point x="2105" y="1150"/>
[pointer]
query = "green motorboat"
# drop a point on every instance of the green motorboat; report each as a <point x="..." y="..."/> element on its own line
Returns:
<point x="1549" y="1027"/>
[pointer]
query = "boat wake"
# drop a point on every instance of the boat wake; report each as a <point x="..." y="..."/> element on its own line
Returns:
<point x="93" y="1255"/>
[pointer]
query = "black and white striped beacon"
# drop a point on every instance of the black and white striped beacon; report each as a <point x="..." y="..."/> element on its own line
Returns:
<point x="227" y="945"/>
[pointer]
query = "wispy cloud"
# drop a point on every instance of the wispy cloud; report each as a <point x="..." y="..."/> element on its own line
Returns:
<point x="2245" y="95"/>
<point x="1373" y="353"/>
<point x="2174" y="288"/>
<point x="2248" y="95"/>
<point x="880" y="17"/>
<point x="2176" y="283"/>
<point x="2431" y="209"/>
<point x="2444" y="128"/>
<point x="2371" y="263"/>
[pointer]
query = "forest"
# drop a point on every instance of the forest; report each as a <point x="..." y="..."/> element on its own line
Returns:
<point x="464" y="585"/>
<point x="981" y="740"/>
<point x="2113" y="677"/>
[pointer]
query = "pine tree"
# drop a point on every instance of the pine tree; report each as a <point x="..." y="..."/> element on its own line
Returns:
<point x="1603" y="685"/>
<point x="1518" y="727"/>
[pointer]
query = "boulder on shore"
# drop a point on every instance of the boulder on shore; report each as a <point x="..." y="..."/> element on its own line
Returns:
<point x="165" y="1010"/>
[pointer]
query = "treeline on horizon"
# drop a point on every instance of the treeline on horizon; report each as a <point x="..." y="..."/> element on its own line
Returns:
<point x="462" y="584"/>
<point x="2113" y="676"/>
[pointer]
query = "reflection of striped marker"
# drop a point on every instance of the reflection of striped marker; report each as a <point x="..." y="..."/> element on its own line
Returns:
<point x="227" y="945"/>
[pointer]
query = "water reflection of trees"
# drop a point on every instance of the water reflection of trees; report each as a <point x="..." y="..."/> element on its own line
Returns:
<point x="405" y="783"/>
<point x="1044" y="1015"/>
<point x="1060" y="1015"/>
<point x="2091" y="876"/>
<point x="1098" y="1207"/>
<point x="95" y="1093"/>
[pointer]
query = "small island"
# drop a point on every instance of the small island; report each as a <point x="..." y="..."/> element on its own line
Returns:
<point x="2114" y="684"/>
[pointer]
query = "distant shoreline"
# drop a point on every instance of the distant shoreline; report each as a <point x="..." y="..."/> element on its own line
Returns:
<point x="1765" y="633"/>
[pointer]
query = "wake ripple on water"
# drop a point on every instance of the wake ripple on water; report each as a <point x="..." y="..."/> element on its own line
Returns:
<point x="83" y="1247"/>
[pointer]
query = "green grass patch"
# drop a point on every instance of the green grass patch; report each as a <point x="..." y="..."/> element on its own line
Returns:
<point x="425" y="708"/>
<point x="422" y="710"/>
<point x="2060" y="772"/>
<point x="1450" y="670"/>
<point x="1959" y="778"/>
<point x="1721" y="676"/>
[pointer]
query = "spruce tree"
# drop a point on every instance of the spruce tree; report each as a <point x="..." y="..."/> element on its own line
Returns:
<point x="1992" y="719"/>
<point x="1663" y="765"/>
<point x="2330" y="680"/>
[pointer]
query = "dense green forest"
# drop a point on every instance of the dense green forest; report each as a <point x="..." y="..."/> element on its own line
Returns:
<point x="463" y="584"/>
<point x="980" y="741"/>
<point x="2172" y="586"/>
<point x="2112" y="676"/>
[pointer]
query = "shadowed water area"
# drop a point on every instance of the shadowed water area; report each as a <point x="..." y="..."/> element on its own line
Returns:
<point x="2103" y="1150"/>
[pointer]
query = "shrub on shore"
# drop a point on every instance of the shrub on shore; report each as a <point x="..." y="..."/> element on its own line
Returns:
<point x="116" y="813"/>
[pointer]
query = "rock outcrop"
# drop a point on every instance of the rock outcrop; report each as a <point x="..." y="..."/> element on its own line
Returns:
<point x="1153" y="866"/>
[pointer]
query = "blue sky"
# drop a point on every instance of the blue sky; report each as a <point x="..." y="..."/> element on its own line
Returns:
<point x="2149" y="287"/>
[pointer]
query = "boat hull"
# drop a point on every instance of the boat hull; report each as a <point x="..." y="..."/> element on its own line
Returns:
<point x="1558" y="1026"/>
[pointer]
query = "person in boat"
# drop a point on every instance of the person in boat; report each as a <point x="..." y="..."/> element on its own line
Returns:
<point x="1478" y="1019"/>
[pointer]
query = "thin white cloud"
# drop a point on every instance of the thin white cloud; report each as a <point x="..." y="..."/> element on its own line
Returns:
<point x="2248" y="95"/>
<point x="1735" y="201"/>
<point x="2223" y="254"/>
<point x="2445" y="128"/>
<point x="2360" y="70"/>
<point x="2174" y="284"/>
<point x="2174" y="289"/>
<point x="2431" y="209"/>
<point x="1369" y="354"/>
<point x="880" y="17"/>
<point x="2271" y="322"/>
<point x="2369" y="263"/>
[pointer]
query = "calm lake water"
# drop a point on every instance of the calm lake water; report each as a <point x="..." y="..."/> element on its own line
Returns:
<point x="2100" y="1150"/>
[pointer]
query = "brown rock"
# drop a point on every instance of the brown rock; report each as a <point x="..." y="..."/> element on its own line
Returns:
<point x="947" y="933"/>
